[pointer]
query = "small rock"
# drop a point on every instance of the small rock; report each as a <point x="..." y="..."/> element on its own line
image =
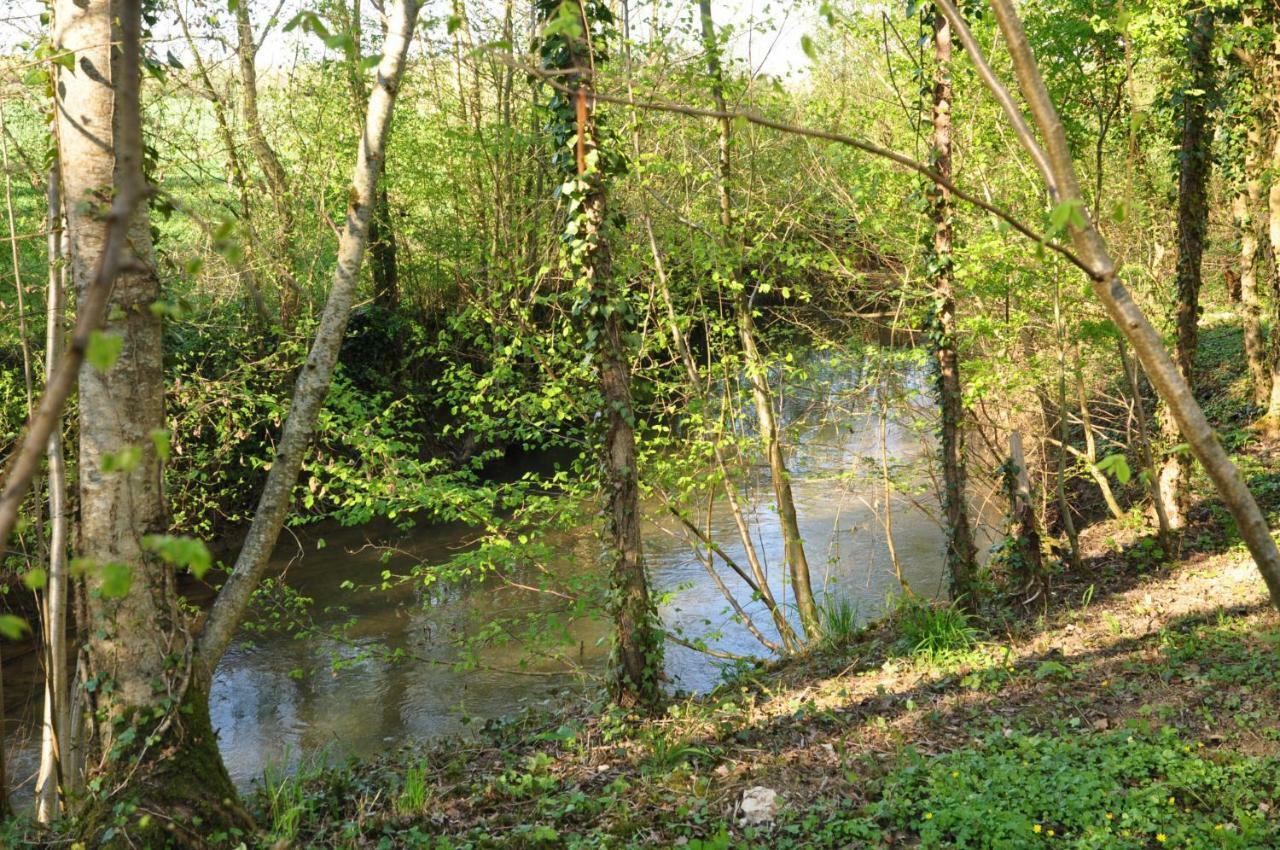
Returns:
<point x="601" y="768"/>
<point x="759" y="805"/>
<point x="1101" y="723"/>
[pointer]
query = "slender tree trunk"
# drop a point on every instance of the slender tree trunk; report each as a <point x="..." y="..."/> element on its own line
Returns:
<point x="1193" y="217"/>
<point x="1272" y="421"/>
<point x="53" y="738"/>
<point x="314" y="377"/>
<point x="756" y="368"/>
<point x="1244" y="207"/>
<point x="638" y="638"/>
<point x="268" y="161"/>
<point x="1022" y="524"/>
<point x="273" y="172"/>
<point x="961" y="566"/>
<point x="1060" y="470"/>
<point x="6" y="807"/>
<point x="238" y="177"/>
<point x="383" y="262"/>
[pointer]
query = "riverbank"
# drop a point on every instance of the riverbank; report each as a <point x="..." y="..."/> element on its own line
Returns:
<point x="1138" y="711"/>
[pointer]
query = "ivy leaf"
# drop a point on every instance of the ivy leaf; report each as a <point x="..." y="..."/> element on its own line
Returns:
<point x="104" y="349"/>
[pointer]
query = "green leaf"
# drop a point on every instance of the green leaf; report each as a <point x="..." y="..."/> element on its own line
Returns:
<point x="179" y="551"/>
<point x="806" y="44"/>
<point x="35" y="579"/>
<point x="13" y="627"/>
<point x="160" y="439"/>
<point x="125" y="460"/>
<point x="104" y="349"/>
<point x="1117" y="466"/>
<point x="116" y="580"/>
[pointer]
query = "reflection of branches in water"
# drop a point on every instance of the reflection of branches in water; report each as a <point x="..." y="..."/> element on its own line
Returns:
<point x="292" y="614"/>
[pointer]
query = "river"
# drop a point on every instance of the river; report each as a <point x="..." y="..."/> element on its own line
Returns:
<point x="277" y="698"/>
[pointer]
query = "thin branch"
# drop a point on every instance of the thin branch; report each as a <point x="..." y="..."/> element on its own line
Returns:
<point x="839" y="138"/>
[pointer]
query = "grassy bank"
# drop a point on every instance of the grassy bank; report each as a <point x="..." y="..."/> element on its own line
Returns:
<point x="1138" y="711"/>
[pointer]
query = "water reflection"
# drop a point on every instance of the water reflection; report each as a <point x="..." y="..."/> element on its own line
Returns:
<point x="265" y="714"/>
<point x="277" y="698"/>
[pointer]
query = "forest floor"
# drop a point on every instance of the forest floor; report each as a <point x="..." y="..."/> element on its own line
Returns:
<point x="1138" y="707"/>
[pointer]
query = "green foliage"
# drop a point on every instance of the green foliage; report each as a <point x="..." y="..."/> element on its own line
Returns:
<point x="1124" y="789"/>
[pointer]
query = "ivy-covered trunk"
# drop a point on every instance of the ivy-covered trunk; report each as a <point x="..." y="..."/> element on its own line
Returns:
<point x="942" y="333"/>
<point x="574" y="41"/>
<point x="1193" y="217"/>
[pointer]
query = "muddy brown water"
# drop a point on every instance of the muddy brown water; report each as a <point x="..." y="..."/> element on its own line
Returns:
<point x="277" y="699"/>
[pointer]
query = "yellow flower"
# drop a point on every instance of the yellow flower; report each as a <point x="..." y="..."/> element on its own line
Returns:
<point x="1050" y="833"/>
<point x="928" y="815"/>
<point x="1110" y="816"/>
<point x="1036" y="829"/>
<point x="1161" y="837"/>
<point x="955" y="774"/>
<point x="1171" y="801"/>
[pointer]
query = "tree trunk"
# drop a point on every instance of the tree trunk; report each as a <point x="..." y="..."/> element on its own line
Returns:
<point x="961" y="566"/>
<point x="313" y="379"/>
<point x="1195" y="165"/>
<point x="756" y="368"/>
<point x="383" y="263"/>
<point x="149" y="680"/>
<point x="54" y="727"/>
<point x="273" y="172"/>
<point x="1272" y="422"/>
<point x="139" y="653"/>
<point x="1244" y="207"/>
<point x="638" y="639"/>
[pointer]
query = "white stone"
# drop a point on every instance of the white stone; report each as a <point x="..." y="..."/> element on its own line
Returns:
<point x="759" y="805"/>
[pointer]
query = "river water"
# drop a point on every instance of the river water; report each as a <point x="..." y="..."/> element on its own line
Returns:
<point x="277" y="698"/>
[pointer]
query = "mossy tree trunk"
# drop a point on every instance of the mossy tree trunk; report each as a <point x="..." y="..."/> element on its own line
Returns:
<point x="1195" y="165"/>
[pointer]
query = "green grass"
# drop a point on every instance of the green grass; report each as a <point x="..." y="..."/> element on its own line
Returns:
<point x="934" y="631"/>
